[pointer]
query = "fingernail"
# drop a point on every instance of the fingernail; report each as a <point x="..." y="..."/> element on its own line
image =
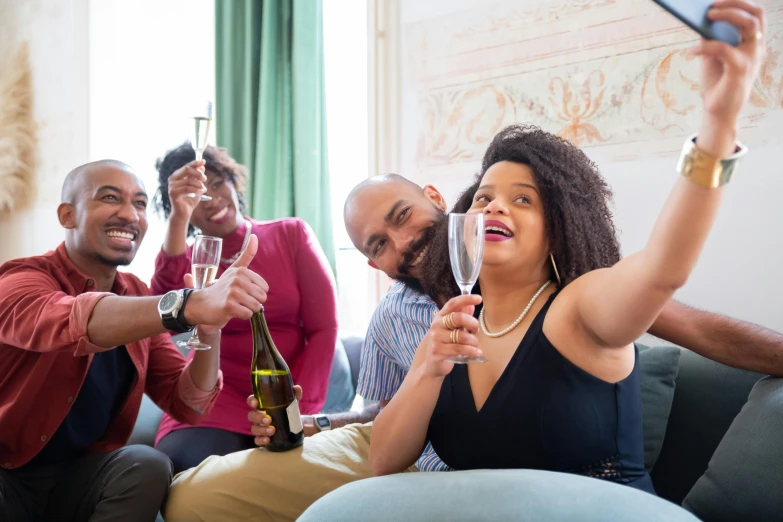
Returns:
<point x="479" y="352"/>
<point x="270" y="431"/>
<point x="268" y="419"/>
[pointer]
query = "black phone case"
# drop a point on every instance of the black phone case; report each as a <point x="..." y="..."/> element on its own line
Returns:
<point x="693" y="13"/>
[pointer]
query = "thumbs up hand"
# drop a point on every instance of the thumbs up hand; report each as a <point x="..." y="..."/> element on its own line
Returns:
<point x="238" y="293"/>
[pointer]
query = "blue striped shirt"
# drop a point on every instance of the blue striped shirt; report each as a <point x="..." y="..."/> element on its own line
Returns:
<point x="398" y="325"/>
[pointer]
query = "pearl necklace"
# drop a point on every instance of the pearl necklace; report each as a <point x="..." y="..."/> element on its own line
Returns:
<point x="515" y="323"/>
<point x="233" y="259"/>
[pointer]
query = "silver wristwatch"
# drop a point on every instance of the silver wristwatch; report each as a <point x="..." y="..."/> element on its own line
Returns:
<point x="171" y="308"/>
<point x="322" y="422"/>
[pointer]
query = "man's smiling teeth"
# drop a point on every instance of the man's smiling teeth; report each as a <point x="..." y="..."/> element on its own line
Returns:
<point x="219" y="215"/>
<point x="121" y="235"/>
<point x="500" y="230"/>
<point x="420" y="256"/>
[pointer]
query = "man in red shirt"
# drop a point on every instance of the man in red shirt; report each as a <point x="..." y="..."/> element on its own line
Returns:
<point x="80" y="343"/>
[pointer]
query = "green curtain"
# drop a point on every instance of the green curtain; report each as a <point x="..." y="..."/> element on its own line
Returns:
<point x="270" y="107"/>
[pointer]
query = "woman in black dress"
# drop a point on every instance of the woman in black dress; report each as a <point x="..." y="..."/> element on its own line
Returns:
<point x="560" y="390"/>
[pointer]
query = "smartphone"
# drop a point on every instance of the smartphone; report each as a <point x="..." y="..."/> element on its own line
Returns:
<point x="693" y="13"/>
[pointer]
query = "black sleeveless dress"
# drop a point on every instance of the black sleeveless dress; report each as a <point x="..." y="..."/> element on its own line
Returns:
<point x="544" y="413"/>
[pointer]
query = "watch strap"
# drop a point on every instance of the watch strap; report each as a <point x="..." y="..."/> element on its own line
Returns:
<point x="181" y="313"/>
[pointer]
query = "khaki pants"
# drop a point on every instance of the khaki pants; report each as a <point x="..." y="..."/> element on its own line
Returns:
<point x="260" y="485"/>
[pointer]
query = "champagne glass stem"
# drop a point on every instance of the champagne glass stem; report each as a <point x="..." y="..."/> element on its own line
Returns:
<point x="194" y="338"/>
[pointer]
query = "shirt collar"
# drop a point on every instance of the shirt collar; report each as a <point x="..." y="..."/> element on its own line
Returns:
<point x="80" y="280"/>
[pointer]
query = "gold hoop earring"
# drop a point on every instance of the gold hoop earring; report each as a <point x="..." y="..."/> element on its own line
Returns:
<point x="557" y="274"/>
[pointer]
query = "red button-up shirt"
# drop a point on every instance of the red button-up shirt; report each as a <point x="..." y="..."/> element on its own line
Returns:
<point x="45" y="304"/>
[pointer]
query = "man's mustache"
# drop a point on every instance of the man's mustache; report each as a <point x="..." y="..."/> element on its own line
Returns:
<point x="124" y="226"/>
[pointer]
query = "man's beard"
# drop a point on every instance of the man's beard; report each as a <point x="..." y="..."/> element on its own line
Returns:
<point x="415" y="250"/>
<point x="435" y="277"/>
<point x="113" y="262"/>
<point x="411" y="282"/>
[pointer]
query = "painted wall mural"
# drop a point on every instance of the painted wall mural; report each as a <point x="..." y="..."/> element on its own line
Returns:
<point x="612" y="76"/>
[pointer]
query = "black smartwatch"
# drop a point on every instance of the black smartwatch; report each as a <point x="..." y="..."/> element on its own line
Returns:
<point x="322" y="422"/>
<point x="171" y="308"/>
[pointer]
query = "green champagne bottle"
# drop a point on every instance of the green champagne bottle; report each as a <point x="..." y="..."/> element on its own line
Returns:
<point x="273" y="388"/>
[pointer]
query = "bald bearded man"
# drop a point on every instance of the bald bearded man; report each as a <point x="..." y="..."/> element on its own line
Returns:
<point x="80" y="343"/>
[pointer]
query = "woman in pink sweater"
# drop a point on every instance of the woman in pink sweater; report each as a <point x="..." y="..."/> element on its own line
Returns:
<point x="301" y="306"/>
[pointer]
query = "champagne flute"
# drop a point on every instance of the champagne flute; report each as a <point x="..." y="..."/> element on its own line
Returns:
<point x="206" y="256"/>
<point x="466" y="251"/>
<point x="202" y="121"/>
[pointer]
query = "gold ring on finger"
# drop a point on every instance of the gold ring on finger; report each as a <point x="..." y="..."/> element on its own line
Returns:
<point x="455" y="337"/>
<point x="449" y="321"/>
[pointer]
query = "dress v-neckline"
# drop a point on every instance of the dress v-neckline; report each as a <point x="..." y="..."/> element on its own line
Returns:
<point x="522" y="348"/>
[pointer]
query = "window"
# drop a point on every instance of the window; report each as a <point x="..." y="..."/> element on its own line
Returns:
<point x="148" y="61"/>
<point x="345" y="57"/>
<point x="144" y="69"/>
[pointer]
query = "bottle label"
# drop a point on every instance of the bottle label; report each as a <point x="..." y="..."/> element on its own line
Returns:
<point x="294" y="419"/>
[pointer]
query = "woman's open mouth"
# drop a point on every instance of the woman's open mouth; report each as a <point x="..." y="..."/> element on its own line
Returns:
<point x="497" y="231"/>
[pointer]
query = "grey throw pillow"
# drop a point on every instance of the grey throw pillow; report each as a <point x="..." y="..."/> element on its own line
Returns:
<point x="659" y="367"/>
<point x="744" y="480"/>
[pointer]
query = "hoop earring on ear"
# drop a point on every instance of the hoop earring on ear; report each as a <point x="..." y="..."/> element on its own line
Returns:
<point x="557" y="274"/>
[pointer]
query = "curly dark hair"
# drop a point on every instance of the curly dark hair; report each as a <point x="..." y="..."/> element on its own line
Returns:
<point x="576" y="199"/>
<point x="218" y="162"/>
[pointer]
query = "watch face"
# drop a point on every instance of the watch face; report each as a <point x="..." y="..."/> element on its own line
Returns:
<point x="168" y="302"/>
<point x="322" y="422"/>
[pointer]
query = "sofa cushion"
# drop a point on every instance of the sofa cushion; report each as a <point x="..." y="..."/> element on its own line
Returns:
<point x="353" y="349"/>
<point x="523" y="495"/>
<point x="146" y="427"/>
<point x="708" y="397"/>
<point x="744" y="479"/>
<point x="340" y="393"/>
<point x="658" y="368"/>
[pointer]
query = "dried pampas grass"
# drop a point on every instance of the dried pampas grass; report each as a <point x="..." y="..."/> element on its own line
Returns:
<point x="17" y="131"/>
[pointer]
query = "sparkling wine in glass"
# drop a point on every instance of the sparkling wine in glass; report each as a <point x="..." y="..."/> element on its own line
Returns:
<point x="466" y="250"/>
<point x="199" y="138"/>
<point x="206" y="256"/>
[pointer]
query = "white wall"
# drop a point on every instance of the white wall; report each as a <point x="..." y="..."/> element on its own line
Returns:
<point x="57" y="35"/>
<point x="111" y="80"/>
<point x="738" y="272"/>
<point x="149" y="60"/>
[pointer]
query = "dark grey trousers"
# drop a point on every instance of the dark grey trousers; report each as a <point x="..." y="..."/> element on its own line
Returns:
<point x="129" y="484"/>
